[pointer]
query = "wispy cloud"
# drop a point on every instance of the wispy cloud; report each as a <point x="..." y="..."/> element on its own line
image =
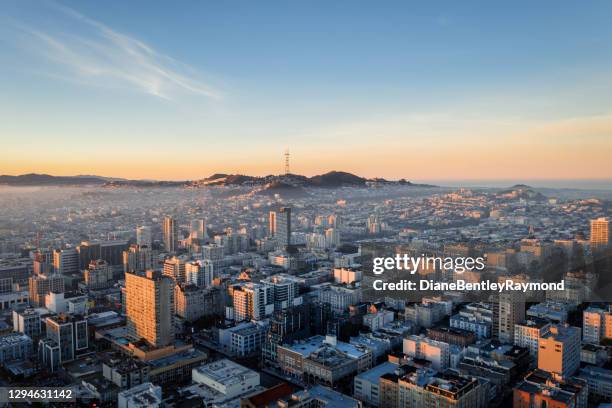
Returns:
<point x="93" y="53"/>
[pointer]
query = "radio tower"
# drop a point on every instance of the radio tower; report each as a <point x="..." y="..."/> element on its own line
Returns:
<point x="287" y="162"/>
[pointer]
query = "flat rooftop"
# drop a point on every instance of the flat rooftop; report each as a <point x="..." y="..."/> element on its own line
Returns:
<point x="225" y="371"/>
<point x="329" y="397"/>
<point x="373" y="374"/>
<point x="314" y="343"/>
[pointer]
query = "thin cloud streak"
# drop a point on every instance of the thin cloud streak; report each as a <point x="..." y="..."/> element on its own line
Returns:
<point x="101" y="56"/>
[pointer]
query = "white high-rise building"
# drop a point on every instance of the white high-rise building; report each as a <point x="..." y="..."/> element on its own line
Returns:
<point x="144" y="236"/>
<point x="332" y="237"/>
<point x="285" y="290"/>
<point x="199" y="273"/>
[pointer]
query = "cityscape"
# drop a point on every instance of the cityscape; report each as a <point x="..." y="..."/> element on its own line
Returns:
<point x="235" y="293"/>
<point x="306" y="204"/>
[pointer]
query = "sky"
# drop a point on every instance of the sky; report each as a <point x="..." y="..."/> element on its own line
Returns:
<point x="418" y="90"/>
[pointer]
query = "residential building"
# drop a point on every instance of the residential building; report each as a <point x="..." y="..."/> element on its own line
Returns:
<point x="559" y="350"/>
<point x="150" y="307"/>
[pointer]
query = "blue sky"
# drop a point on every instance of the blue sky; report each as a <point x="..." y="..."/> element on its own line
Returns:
<point x="119" y="87"/>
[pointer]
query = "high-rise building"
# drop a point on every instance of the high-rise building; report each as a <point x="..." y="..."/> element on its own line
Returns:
<point x="286" y="326"/>
<point x="600" y="232"/>
<point x="251" y="301"/>
<point x="137" y="258"/>
<point x="212" y="252"/>
<point x="170" y="234"/>
<point x="42" y="262"/>
<point x="110" y="251"/>
<point x="373" y="224"/>
<point x="144" y="236"/>
<point x="27" y="322"/>
<point x="199" y="273"/>
<point x="150" y="307"/>
<point x="280" y="225"/>
<point x="527" y="334"/>
<point x="332" y="237"/>
<point x="19" y="271"/>
<point x="197" y="229"/>
<point x="69" y="333"/>
<point x="232" y="242"/>
<point x="285" y="290"/>
<point x="596" y="324"/>
<point x="66" y="261"/>
<point x="340" y="297"/>
<point x="40" y="285"/>
<point x="559" y="350"/>
<point x="98" y="275"/>
<point x="511" y="311"/>
<point x="192" y="302"/>
<point x="175" y="268"/>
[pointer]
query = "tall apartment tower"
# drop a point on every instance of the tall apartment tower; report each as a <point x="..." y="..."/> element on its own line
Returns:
<point x="251" y="301"/>
<point x="150" y="307"/>
<point x="170" y="234"/>
<point x="511" y="311"/>
<point x="600" y="232"/>
<point x="280" y="225"/>
<point x="144" y="236"/>
<point x="559" y="350"/>
<point x="197" y="229"/>
<point x="174" y="268"/>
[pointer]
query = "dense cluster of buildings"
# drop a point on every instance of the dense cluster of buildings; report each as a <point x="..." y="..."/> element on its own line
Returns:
<point x="167" y="297"/>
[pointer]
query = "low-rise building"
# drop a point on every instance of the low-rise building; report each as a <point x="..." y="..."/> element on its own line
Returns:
<point x="543" y="389"/>
<point x="145" y="395"/>
<point x="366" y="384"/>
<point x="14" y="346"/>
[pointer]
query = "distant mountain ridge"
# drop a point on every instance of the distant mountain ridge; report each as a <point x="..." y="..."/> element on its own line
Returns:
<point x="332" y="179"/>
<point x="34" y="179"/>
